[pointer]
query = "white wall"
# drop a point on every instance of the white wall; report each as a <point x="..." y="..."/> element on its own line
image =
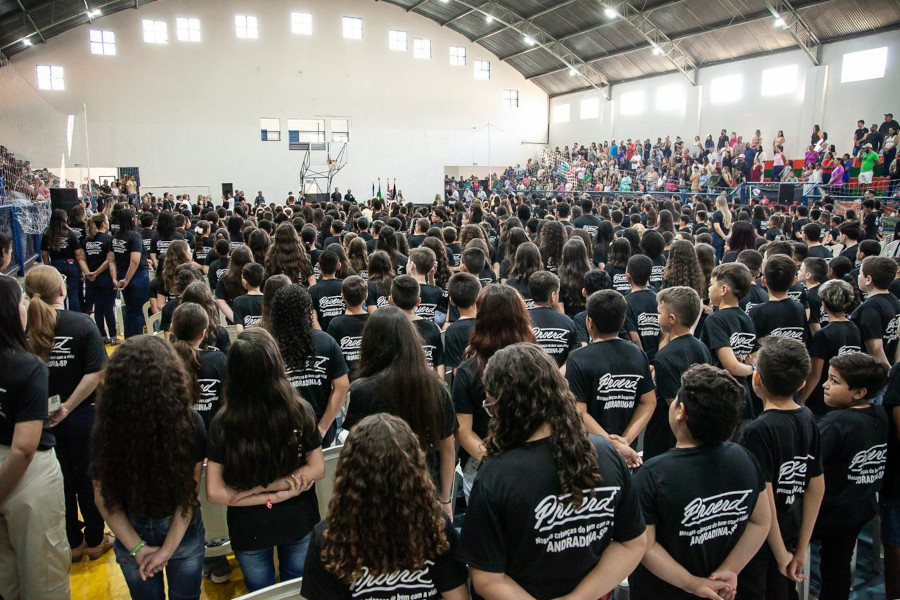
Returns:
<point x="188" y="114"/>
<point x="819" y="98"/>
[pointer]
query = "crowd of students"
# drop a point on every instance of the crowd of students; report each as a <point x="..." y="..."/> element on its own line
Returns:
<point x="684" y="395"/>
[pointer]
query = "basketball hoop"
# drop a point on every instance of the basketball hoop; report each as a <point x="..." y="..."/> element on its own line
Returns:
<point x="330" y="162"/>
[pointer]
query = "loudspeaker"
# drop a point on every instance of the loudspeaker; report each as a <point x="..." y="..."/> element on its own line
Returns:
<point x="786" y="193"/>
<point x="227" y="188"/>
<point x="64" y="198"/>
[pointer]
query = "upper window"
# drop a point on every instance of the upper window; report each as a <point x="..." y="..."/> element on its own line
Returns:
<point x="561" y="113"/>
<point x="188" y="29"/>
<point x="779" y="80"/>
<point x="422" y="49"/>
<point x="305" y="131"/>
<point x="340" y="130"/>
<point x="301" y="23"/>
<point x="156" y="32"/>
<point x="246" y="27"/>
<point x="670" y="98"/>
<point x="590" y="108"/>
<point x="353" y="28"/>
<point x="482" y="69"/>
<point x="270" y="130"/>
<point x="103" y="42"/>
<point x="511" y="98"/>
<point x="50" y="77"/>
<point x="458" y="56"/>
<point x="865" y="64"/>
<point x="726" y="89"/>
<point x="631" y="103"/>
<point x="398" y="40"/>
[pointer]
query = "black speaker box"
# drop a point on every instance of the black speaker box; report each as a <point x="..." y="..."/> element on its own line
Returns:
<point x="64" y="198"/>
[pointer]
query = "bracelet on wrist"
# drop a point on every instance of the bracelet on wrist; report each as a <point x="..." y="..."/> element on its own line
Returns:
<point x="137" y="548"/>
<point x="447" y="502"/>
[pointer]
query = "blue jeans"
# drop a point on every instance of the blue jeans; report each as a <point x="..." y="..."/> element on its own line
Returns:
<point x="69" y="269"/>
<point x="136" y="294"/>
<point x="102" y="296"/>
<point x="184" y="571"/>
<point x="258" y="566"/>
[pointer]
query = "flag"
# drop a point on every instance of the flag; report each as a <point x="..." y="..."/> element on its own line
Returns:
<point x="378" y="195"/>
<point x="388" y="181"/>
<point x="394" y="197"/>
<point x="373" y="189"/>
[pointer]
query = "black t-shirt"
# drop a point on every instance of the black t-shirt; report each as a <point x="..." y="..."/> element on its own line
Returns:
<point x="206" y="246"/>
<point x="454" y="252"/>
<point x="554" y="331"/>
<point x="77" y="351"/>
<point x="414" y="241"/>
<point x="522" y="288"/>
<point x="432" y="344"/>
<point x="582" y="336"/>
<point x="548" y="261"/>
<point x="456" y="339"/>
<point x="327" y="301"/>
<point x="314" y="380"/>
<point x="123" y="245"/>
<point x="774" y="234"/>
<point x="817" y="312"/>
<point x="798" y="293"/>
<point x="820" y="251"/>
<point x="235" y="240"/>
<point x="783" y="318"/>
<point x="860" y="135"/>
<point x="347" y="331"/>
<point x="756" y="295"/>
<point x="23" y="396"/>
<point x="891" y="487"/>
<point x="468" y="399"/>
<point x="786" y="444"/>
<point x="670" y="363"/>
<point x="160" y="244"/>
<point x="168" y="310"/>
<point x="247" y="310"/>
<point x="871" y="223"/>
<point x="850" y="253"/>
<point x="797" y="227"/>
<point x="519" y="523"/>
<point x="440" y="574"/>
<point x="68" y="244"/>
<point x="835" y="339"/>
<point x="96" y="251"/>
<point x="656" y="272"/>
<point x="610" y="377"/>
<point x="487" y="277"/>
<point x="729" y="328"/>
<point x="699" y="500"/>
<point x="761" y="225"/>
<point x="376" y="298"/>
<point x="718" y="217"/>
<point x="589" y="223"/>
<point x="642" y="317"/>
<point x="146" y="236"/>
<point x="879" y="317"/>
<point x="217" y="268"/>
<point x="432" y="300"/>
<point x="620" y="282"/>
<point x="257" y="527"/>
<point x="854" y="455"/>
<point x="211" y="378"/>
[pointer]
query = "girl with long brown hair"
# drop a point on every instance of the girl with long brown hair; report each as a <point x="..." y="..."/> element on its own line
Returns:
<point x="381" y="276"/>
<point x="575" y="265"/>
<point x="198" y="293"/>
<point x="287" y="257"/>
<point x="229" y="286"/>
<point x="358" y="257"/>
<point x="400" y="538"/>
<point x="205" y="365"/>
<point x="179" y="253"/>
<point x="526" y="263"/>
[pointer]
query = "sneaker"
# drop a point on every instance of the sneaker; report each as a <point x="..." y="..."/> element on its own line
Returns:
<point x="95" y="552"/>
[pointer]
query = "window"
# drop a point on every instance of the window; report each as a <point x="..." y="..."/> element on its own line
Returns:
<point x="482" y="69"/>
<point x="670" y="98"/>
<point x="398" y="40"/>
<point x="511" y="98"/>
<point x="631" y="103"/>
<point x="103" y="42"/>
<point x="155" y="32"/>
<point x="270" y="130"/>
<point x="422" y="49"/>
<point x="865" y="64"/>
<point x="779" y="80"/>
<point x="305" y="131"/>
<point x="340" y="130"/>
<point x="188" y="29"/>
<point x="726" y="89"/>
<point x="246" y="27"/>
<point x="301" y="23"/>
<point x="353" y="28"/>
<point x="561" y="113"/>
<point x="590" y="108"/>
<point x="457" y="56"/>
<point x="50" y="77"/>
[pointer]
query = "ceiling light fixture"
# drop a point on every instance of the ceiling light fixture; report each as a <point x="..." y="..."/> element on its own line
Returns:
<point x="530" y="40"/>
<point x="779" y="22"/>
<point x="95" y="13"/>
<point x="657" y="50"/>
<point x="573" y="72"/>
<point x="489" y="18"/>
<point x="26" y="42"/>
<point x="610" y="12"/>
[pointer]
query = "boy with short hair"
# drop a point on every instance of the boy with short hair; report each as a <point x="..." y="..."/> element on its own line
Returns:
<point x="474" y="261"/>
<point x="728" y="332"/>
<point x="405" y="296"/>
<point x="326" y="294"/>
<point x="757" y="294"/>
<point x="785" y="441"/>
<point x="703" y="528"/>
<point x="593" y="281"/>
<point x="781" y="315"/>
<point x="679" y="308"/>
<point x="554" y="331"/>
<point x="877" y="317"/>
<point x="642" y="314"/>
<point x="432" y="299"/>
<point x="247" y="308"/>
<point x="854" y="451"/>
<point x="347" y="329"/>
<point x="813" y="272"/>
<point x="610" y="378"/>
<point x="463" y="289"/>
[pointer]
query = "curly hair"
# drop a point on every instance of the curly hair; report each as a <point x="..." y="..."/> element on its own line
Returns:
<point x="683" y="268"/>
<point x="472" y="232"/>
<point x="382" y="459"/>
<point x="442" y="273"/>
<point x="291" y="325"/>
<point x="143" y="449"/>
<point x="501" y="319"/>
<point x="553" y="238"/>
<point x="179" y="253"/>
<point x="287" y="257"/>
<point x="527" y="390"/>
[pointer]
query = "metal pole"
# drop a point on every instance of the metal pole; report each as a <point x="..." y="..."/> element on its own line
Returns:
<point x="490" y="167"/>
<point x="87" y="148"/>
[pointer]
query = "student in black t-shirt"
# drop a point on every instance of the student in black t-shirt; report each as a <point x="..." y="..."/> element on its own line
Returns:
<point x="785" y="441"/>
<point x="594" y="281"/>
<point x="527" y="262"/>
<point x="679" y="308"/>
<point x="397" y="544"/>
<point x="854" y="447"/>
<point x="405" y="295"/>
<point x="641" y="315"/>
<point x="146" y="475"/>
<point x="610" y="377"/>
<point x="878" y="317"/>
<point x="619" y="253"/>
<point x="432" y="304"/>
<point x="265" y="455"/>
<point x="813" y="272"/>
<point x="217" y="263"/>
<point x="840" y="336"/>
<point x="381" y="274"/>
<point x="61" y="249"/>
<point x="728" y="332"/>
<point x="394" y="377"/>
<point x="216" y="335"/>
<point x="554" y="331"/>
<point x="229" y="285"/>
<point x="206" y="365"/>
<point x="100" y="274"/>
<point x="326" y="295"/>
<point x="31" y="483"/>
<point x="850" y="236"/>
<point x="474" y="261"/>
<point x="462" y="290"/>
<point x="519" y="536"/>
<point x="757" y="294"/>
<point x="781" y="315"/>
<point x="347" y="329"/>
<point x="247" y="308"/>
<point x="812" y="234"/>
<point x="313" y="361"/>
<point x="704" y="501"/>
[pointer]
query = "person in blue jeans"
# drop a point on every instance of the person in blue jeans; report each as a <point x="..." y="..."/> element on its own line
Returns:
<point x="265" y="455"/>
<point x="61" y="250"/>
<point x="147" y="453"/>
<point x="100" y="287"/>
<point x="128" y="267"/>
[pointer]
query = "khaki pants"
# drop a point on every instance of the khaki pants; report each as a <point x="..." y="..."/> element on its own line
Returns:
<point x="34" y="552"/>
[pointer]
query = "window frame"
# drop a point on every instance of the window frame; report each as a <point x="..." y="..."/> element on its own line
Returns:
<point x="301" y="22"/>
<point x="348" y="26"/>
<point x="105" y="41"/>
<point x="419" y="47"/>
<point x="51" y="78"/>
<point x="244" y="31"/>
<point x="187" y="33"/>
<point x="457" y="59"/>
<point x="158" y="31"/>
<point x="482" y="73"/>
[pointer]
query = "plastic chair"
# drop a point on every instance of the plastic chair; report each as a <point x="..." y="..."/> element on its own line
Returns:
<point x="232" y="332"/>
<point x="287" y="590"/>
<point x="325" y="487"/>
<point x="146" y="310"/>
<point x="214" y="522"/>
<point x="152" y="323"/>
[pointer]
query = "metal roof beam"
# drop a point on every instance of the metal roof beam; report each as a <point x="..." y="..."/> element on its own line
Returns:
<point x="457" y="18"/>
<point x="797" y="27"/>
<point x="77" y="16"/>
<point x="538" y="15"/>
<point x="416" y="5"/>
<point x="30" y="20"/>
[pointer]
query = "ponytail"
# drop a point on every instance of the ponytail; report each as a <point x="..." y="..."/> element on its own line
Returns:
<point x="93" y="224"/>
<point x="42" y="285"/>
<point x="189" y="322"/>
